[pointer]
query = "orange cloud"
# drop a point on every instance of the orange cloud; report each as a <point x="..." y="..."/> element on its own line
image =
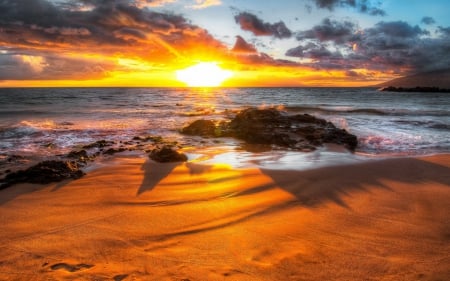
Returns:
<point x="125" y="43"/>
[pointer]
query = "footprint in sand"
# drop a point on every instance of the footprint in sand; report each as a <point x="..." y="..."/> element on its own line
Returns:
<point x="70" y="267"/>
<point x="120" y="277"/>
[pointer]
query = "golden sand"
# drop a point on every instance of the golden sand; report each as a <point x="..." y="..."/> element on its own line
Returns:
<point x="134" y="219"/>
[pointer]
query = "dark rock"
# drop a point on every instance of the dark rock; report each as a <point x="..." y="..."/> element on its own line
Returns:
<point x="112" y="151"/>
<point x="271" y="127"/>
<point x="260" y="126"/>
<point x="44" y="172"/>
<point x="167" y="154"/>
<point x="156" y="139"/>
<point x="15" y="158"/>
<point x="207" y="128"/>
<point x="79" y="155"/>
<point x="49" y="145"/>
<point x="99" y="144"/>
<point x="204" y="128"/>
<point x="415" y="89"/>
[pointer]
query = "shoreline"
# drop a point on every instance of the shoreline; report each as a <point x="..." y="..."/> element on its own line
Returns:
<point x="131" y="218"/>
<point x="235" y="153"/>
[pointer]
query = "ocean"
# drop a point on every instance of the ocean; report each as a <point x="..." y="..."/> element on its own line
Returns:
<point x="51" y="121"/>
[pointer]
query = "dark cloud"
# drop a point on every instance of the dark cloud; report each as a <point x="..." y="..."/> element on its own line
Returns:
<point x="321" y="52"/>
<point x="445" y="31"/>
<point x="398" y="29"/>
<point x="428" y="20"/>
<point x="12" y="67"/>
<point x="387" y="46"/>
<point x="330" y="30"/>
<point x="19" y="65"/>
<point x="252" y="23"/>
<point x="106" y="22"/>
<point x="313" y="51"/>
<point x="363" y="6"/>
<point x="254" y="61"/>
<point x="241" y="46"/>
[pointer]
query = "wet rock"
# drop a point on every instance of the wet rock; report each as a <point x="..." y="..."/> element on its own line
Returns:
<point x="302" y="132"/>
<point x="79" y="155"/>
<point x="415" y="89"/>
<point x="207" y="128"/>
<point x="99" y="144"/>
<point x="112" y="151"/>
<point x="15" y="158"/>
<point x="271" y="127"/>
<point x="156" y="139"/>
<point x="204" y="128"/>
<point x="167" y="154"/>
<point x="44" y="172"/>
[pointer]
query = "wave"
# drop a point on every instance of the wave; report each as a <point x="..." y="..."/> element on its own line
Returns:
<point x="425" y="124"/>
<point x="28" y="128"/>
<point x="9" y="113"/>
<point x="367" y="111"/>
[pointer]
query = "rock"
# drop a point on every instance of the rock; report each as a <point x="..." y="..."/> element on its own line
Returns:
<point x="15" y="158"/>
<point x="270" y="127"/>
<point x="167" y="154"/>
<point x="415" y="89"/>
<point x="44" y="172"/>
<point x="156" y="139"/>
<point x="111" y="151"/>
<point x="99" y="144"/>
<point x="204" y="128"/>
<point x="259" y="126"/>
<point x="207" y="128"/>
<point x="79" y="155"/>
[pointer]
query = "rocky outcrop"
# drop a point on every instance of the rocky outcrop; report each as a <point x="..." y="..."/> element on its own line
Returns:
<point x="99" y="144"/>
<point x="167" y="154"/>
<point x="204" y="128"/>
<point x="207" y="128"/>
<point x="415" y="89"/>
<point x="69" y="167"/>
<point x="44" y="172"/>
<point x="272" y="127"/>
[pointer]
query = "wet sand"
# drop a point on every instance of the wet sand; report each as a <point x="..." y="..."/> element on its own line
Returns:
<point x="134" y="219"/>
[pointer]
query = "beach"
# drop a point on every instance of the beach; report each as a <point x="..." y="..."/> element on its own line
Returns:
<point x="208" y="140"/>
<point x="130" y="218"/>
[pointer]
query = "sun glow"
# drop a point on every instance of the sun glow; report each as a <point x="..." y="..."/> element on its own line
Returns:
<point x="203" y="74"/>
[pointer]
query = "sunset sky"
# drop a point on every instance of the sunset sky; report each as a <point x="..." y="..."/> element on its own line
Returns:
<point x="262" y="43"/>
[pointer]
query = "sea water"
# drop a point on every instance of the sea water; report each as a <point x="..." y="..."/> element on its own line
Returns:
<point x="49" y="121"/>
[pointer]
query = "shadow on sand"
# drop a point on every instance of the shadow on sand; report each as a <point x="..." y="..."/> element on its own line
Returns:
<point x="316" y="186"/>
<point x="312" y="188"/>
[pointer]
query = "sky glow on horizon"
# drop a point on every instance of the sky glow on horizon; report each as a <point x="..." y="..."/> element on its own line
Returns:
<point x="263" y="43"/>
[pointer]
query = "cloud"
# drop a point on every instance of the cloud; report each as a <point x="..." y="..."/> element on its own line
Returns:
<point x="252" y="23"/>
<point x="202" y="4"/>
<point x="314" y="51"/>
<point x="363" y="6"/>
<point x="428" y="20"/>
<point x="69" y="31"/>
<point x="241" y="46"/>
<point x="101" y="28"/>
<point x="36" y="63"/>
<point x="18" y="65"/>
<point x="151" y="3"/>
<point x="444" y="31"/>
<point x="387" y="46"/>
<point x="330" y="30"/>
<point x="398" y="29"/>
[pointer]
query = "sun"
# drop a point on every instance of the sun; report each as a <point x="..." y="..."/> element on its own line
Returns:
<point x="203" y="74"/>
